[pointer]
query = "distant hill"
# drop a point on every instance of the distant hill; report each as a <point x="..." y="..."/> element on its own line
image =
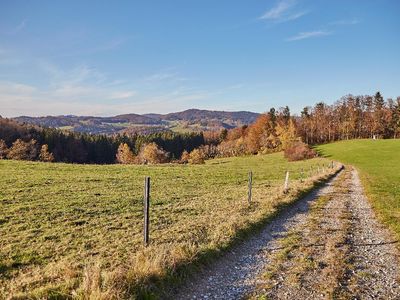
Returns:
<point x="188" y="120"/>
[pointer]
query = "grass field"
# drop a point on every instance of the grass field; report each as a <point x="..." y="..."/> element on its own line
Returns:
<point x="378" y="162"/>
<point x="77" y="229"/>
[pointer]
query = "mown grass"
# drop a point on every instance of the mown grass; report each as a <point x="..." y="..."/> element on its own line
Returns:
<point x="76" y="230"/>
<point x="378" y="162"/>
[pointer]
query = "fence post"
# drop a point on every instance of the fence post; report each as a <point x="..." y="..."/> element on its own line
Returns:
<point x="301" y="175"/>
<point x="250" y="186"/>
<point x="332" y="164"/>
<point x="146" y="203"/>
<point x="286" y="186"/>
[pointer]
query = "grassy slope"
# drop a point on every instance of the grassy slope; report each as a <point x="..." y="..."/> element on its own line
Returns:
<point x="378" y="162"/>
<point x="58" y="221"/>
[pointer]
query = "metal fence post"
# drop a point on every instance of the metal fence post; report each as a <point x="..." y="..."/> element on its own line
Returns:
<point x="146" y="203"/>
<point x="250" y="186"/>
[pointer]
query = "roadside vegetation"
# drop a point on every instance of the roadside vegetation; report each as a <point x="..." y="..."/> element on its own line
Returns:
<point x="378" y="164"/>
<point x="76" y="230"/>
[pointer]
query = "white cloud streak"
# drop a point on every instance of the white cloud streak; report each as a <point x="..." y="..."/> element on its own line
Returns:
<point x="345" y="22"/>
<point x="308" y="34"/>
<point x="18" y="99"/>
<point x="283" y="11"/>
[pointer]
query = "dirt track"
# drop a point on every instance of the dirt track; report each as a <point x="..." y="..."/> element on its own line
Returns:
<point x="328" y="245"/>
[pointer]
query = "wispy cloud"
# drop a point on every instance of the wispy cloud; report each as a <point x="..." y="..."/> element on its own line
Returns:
<point x="83" y="49"/>
<point x="169" y="74"/>
<point x="16" y="29"/>
<point x="346" y="22"/>
<point x="161" y="76"/>
<point x="308" y="34"/>
<point x="83" y="90"/>
<point x="284" y="10"/>
<point x="19" y="99"/>
<point x="123" y="95"/>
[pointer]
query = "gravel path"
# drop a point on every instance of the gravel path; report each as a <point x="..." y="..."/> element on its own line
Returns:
<point x="312" y="268"/>
<point x="235" y="274"/>
<point x="376" y="261"/>
<point x="339" y="251"/>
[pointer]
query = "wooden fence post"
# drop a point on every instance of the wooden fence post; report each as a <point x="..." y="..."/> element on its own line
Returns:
<point x="146" y="203"/>
<point x="286" y="186"/>
<point x="250" y="186"/>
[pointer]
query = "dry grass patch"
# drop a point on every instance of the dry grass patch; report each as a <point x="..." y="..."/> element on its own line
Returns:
<point x="76" y="230"/>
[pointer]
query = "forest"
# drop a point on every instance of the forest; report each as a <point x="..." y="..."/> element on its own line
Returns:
<point x="25" y="142"/>
<point x="351" y="117"/>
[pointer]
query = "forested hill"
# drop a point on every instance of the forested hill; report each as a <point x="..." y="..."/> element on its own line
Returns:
<point x="185" y="121"/>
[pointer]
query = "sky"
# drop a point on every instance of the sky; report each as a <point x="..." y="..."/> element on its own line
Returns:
<point x="104" y="58"/>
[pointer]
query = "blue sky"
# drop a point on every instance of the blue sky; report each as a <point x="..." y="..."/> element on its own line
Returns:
<point x="111" y="57"/>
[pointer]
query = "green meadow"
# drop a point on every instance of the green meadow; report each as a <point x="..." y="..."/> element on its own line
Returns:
<point x="76" y="230"/>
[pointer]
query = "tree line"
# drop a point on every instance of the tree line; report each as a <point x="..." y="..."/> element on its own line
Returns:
<point x="25" y="142"/>
<point x="351" y="117"/>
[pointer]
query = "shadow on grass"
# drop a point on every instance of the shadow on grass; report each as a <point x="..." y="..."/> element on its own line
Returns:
<point x="320" y="152"/>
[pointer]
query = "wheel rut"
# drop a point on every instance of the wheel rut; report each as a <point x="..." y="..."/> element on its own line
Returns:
<point x="329" y="245"/>
<point x="235" y="274"/>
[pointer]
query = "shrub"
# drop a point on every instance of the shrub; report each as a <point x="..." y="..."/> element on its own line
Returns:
<point x="196" y="157"/>
<point x="299" y="151"/>
<point x="125" y="154"/>
<point x="21" y="150"/>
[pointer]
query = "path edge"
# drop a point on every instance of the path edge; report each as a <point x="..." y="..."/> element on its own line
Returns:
<point x="166" y="287"/>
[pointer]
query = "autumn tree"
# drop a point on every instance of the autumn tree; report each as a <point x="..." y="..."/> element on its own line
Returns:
<point x="185" y="157"/>
<point x="3" y="149"/>
<point x="284" y="115"/>
<point x="21" y="150"/>
<point x="152" y="154"/>
<point x="196" y="157"/>
<point x="45" y="155"/>
<point x="304" y="126"/>
<point x="223" y="134"/>
<point x="125" y="154"/>
<point x="286" y="134"/>
<point x="379" y="123"/>
<point x="255" y="131"/>
<point x="396" y="118"/>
